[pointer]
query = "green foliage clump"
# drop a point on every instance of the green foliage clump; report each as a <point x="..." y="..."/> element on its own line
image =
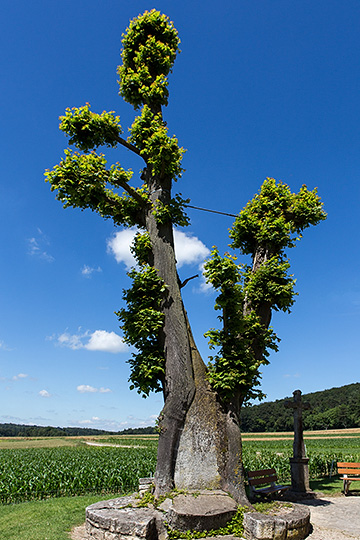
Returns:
<point x="235" y="368"/>
<point x="150" y="134"/>
<point x="87" y="130"/>
<point x="271" y="284"/>
<point x="273" y="217"/>
<point x="142" y="322"/>
<point x="141" y="248"/>
<point x="149" y="51"/>
<point x="145" y="500"/>
<point x="172" y="212"/>
<point x="82" y="181"/>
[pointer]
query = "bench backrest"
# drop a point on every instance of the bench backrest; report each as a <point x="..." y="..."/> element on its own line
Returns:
<point x="348" y="468"/>
<point x="260" y="478"/>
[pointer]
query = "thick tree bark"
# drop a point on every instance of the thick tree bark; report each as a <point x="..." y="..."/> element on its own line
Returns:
<point x="179" y="381"/>
<point x="200" y="441"/>
<point x="210" y="450"/>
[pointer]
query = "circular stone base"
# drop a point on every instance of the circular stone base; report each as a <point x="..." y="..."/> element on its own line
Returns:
<point x="122" y="519"/>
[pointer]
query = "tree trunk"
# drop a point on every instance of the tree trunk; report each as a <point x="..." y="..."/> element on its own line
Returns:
<point x="199" y="442"/>
<point x="179" y="386"/>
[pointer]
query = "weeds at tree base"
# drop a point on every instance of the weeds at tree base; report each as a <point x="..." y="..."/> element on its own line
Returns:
<point x="233" y="528"/>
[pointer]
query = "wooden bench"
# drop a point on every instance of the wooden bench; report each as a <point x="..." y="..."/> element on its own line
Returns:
<point x="347" y="469"/>
<point x="264" y="478"/>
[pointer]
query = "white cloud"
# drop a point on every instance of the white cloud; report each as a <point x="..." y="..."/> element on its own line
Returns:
<point x="188" y="249"/>
<point x="93" y="420"/>
<point x="4" y="347"/>
<point x="72" y="341"/>
<point x="37" y="247"/>
<point x="100" y="340"/>
<point x="20" y="376"/>
<point x="119" y="246"/>
<point x="87" y="389"/>
<point x="204" y="287"/>
<point x="87" y="271"/>
<point x="44" y="393"/>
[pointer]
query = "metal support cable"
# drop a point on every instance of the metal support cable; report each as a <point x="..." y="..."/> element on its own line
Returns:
<point x="212" y="211"/>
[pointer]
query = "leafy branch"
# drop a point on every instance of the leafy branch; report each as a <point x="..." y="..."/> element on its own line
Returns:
<point x="263" y="229"/>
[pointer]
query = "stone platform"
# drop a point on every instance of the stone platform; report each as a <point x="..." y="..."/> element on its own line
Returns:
<point x="123" y="519"/>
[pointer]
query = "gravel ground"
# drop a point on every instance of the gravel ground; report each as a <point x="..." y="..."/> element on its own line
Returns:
<point x="335" y="518"/>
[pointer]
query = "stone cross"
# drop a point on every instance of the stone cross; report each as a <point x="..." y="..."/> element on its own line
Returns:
<point x="298" y="406"/>
<point x="299" y="463"/>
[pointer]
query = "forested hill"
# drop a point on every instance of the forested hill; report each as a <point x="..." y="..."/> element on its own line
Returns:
<point x="336" y="408"/>
<point x="19" y="430"/>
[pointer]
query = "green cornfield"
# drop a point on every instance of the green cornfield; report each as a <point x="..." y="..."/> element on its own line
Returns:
<point x="322" y="453"/>
<point x="40" y="473"/>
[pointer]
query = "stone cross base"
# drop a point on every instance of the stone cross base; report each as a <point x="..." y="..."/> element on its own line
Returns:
<point x="300" y="475"/>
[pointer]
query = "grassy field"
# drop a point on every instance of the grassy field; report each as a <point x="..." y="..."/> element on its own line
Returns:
<point x="55" y="442"/>
<point x="52" y="519"/>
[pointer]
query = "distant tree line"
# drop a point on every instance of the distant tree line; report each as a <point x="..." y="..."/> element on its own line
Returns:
<point x="336" y="408"/>
<point x="139" y="431"/>
<point x="19" y="430"/>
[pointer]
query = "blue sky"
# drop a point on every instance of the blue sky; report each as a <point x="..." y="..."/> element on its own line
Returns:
<point x="261" y="88"/>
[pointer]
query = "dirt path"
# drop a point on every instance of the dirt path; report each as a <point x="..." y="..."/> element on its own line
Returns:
<point x="90" y="443"/>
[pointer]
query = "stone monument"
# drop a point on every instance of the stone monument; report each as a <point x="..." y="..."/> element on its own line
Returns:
<point x="299" y="463"/>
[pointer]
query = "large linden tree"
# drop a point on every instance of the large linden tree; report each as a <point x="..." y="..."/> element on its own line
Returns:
<point x="199" y="434"/>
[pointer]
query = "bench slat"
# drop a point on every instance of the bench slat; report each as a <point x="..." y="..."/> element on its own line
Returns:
<point x="262" y="481"/>
<point x="349" y="471"/>
<point x="264" y="472"/>
<point x="348" y="464"/>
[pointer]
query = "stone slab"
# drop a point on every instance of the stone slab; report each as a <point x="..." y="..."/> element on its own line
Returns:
<point x="201" y="512"/>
